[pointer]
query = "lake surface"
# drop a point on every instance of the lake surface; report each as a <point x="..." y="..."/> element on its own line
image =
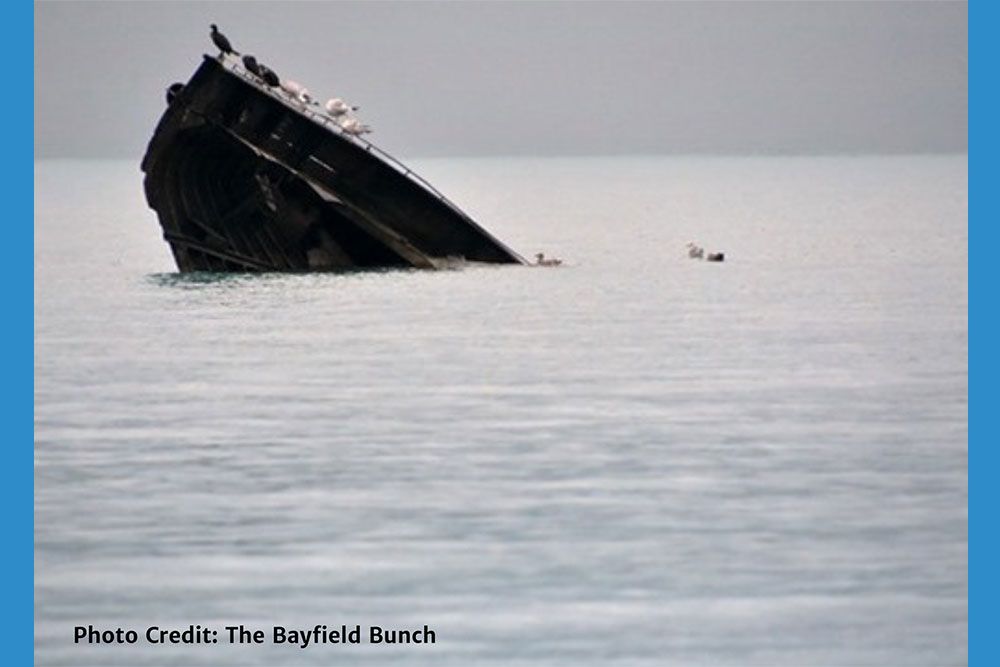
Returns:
<point x="632" y="459"/>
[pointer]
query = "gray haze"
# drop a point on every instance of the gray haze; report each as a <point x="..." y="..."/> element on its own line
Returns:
<point x="533" y="78"/>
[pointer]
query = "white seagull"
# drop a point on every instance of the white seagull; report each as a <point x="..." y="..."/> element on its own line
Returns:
<point x="293" y="89"/>
<point x="337" y="107"/>
<point x="354" y="126"/>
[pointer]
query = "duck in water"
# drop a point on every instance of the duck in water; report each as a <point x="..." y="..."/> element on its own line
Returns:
<point x="541" y="261"/>
<point x="695" y="251"/>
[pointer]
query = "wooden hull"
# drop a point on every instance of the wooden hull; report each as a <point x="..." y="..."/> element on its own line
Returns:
<point x="243" y="179"/>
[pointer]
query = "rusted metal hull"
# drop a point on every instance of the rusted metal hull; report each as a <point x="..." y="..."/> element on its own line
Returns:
<point x="243" y="179"/>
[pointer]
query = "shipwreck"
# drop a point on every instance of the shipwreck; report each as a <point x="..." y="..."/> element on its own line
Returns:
<point x="244" y="176"/>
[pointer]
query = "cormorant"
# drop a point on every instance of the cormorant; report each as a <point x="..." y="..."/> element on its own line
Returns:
<point x="225" y="48"/>
<point x="250" y="63"/>
<point x="268" y="75"/>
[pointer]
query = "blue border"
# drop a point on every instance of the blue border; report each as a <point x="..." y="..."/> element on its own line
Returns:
<point x="17" y="480"/>
<point x="983" y="24"/>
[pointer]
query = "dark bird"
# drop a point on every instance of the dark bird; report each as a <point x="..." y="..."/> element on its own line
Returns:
<point x="250" y="63"/>
<point x="716" y="257"/>
<point x="225" y="48"/>
<point x="270" y="78"/>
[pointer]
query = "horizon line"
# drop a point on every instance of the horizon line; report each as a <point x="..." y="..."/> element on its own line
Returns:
<point x="542" y="156"/>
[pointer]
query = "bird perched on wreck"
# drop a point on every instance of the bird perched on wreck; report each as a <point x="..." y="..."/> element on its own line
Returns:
<point x="355" y="127"/>
<point x="251" y="65"/>
<point x="337" y="107"/>
<point x="268" y="75"/>
<point x="222" y="43"/>
<point x="296" y="91"/>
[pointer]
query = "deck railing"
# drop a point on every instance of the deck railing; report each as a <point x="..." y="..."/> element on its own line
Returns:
<point x="329" y="122"/>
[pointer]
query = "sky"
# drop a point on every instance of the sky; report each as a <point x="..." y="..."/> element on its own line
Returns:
<point x="532" y="78"/>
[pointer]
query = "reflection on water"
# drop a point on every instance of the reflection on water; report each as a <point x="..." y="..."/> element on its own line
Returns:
<point x="636" y="458"/>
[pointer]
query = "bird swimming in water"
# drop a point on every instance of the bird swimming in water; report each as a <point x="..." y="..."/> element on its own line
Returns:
<point x="541" y="261"/>
<point x="695" y="251"/>
<point x="250" y="63"/>
<point x="220" y="41"/>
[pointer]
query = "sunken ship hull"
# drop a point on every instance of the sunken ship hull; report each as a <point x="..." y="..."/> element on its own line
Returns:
<point x="243" y="178"/>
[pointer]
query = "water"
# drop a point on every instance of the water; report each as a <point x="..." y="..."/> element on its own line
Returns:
<point x="633" y="459"/>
